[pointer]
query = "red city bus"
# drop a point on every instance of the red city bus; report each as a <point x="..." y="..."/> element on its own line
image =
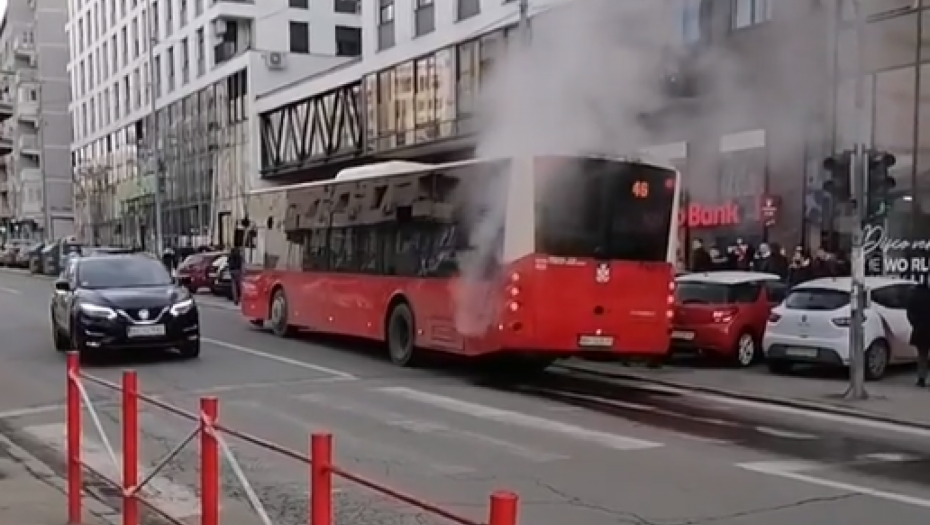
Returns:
<point x="526" y="259"/>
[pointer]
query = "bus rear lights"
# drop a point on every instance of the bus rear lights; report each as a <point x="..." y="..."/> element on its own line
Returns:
<point x="513" y="306"/>
<point x="514" y="291"/>
<point x="670" y="314"/>
<point x="515" y="277"/>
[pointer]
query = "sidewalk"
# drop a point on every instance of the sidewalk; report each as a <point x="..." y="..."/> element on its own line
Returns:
<point x="31" y="494"/>
<point x="894" y="399"/>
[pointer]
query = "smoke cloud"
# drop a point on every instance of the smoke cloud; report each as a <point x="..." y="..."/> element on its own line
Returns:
<point x="592" y="71"/>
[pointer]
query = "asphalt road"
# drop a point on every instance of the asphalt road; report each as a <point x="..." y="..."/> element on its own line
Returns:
<point x="575" y="451"/>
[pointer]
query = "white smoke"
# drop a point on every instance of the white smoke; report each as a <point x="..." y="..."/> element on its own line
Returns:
<point x="592" y="71"/>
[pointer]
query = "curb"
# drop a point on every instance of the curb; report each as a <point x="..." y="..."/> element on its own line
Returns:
<point x="780" y="402"/>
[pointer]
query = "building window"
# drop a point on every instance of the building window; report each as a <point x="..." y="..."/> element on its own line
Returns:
<point x="299" y="4"/>
<point x="348" y="41"/>
<point x="386" y="25"/>
<point x="351" y="7"/>
<point x="747" y="13"/>
<point x="424" y="17"/>
<point x="201" y="53"/>
<point x="467" y="9"/>
<point x="690" y="21"/>
<point x="300" y="37"/>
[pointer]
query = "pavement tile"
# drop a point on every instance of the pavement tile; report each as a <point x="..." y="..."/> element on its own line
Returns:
<point x="28" y="499"/>
<point x="894" y="399"/>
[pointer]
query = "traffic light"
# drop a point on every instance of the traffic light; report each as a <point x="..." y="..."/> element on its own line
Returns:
<point x="880" y="183"/>
<point x="839" y="185"/>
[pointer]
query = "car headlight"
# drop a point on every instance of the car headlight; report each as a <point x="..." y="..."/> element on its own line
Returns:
<point x="98" y="312"/>
<point x="182" y="307"/>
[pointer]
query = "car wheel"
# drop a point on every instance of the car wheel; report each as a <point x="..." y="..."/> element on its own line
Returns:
<point x="61" y="342"/>
<point x="747" y="352"/>
<point x="780" y="367"/>
<point x="279" y="315"/>
<point x="876" y="360"/>
<point x="190" y="350"/>
<point x="401" y="335"/>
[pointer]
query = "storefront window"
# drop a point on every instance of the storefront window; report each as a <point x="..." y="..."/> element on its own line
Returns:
<point x="445" y="92"/>
<point x="387" y="118"/>
<point x="467" y="78"/>
<point x="404" y="84"/>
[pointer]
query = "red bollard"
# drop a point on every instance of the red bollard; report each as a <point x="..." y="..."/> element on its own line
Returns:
<point x="75" y="468"/>
<point x="504" y="508"/>
<point x="321" y="479"/>
<point x="209" y="462"/>
<point x="130" y="447"/>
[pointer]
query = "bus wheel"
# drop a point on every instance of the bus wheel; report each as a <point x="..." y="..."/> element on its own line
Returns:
<point x="401" y="335"/>
<point x="279" y="311"/>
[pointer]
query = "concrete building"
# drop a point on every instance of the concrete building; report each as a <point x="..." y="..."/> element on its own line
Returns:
<point x="210" y="58"/>
<point x="34" y="56"/>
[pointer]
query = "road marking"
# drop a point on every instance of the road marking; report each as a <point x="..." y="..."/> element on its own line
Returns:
<point x="281" y="359"/>
<point x="175" y="500"/>
<point x="815" y="414"/>
<point x="30" y="411"/>
<point x="782" y="470"/>
<point x="10" y="290"/>
<point x="508" y="417"/>
<point x="787" y="434"/>
<point x="890" y="457"/>
<point x="426" y="427"/>
<point x="369" y="449"/>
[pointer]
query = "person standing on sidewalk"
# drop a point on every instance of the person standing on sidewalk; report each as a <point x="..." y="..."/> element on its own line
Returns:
<point x="234" y="263"/>
<point x="918" y="315"/>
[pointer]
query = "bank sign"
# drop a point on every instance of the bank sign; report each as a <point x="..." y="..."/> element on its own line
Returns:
<point x="885" y="255"/>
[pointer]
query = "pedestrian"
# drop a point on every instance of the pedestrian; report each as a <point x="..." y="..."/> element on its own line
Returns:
<point x="918" y="315"/>
<point x="234" y="265"/>
<point x="700" y="258"/>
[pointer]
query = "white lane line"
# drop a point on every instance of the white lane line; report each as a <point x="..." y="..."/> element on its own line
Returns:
<point x="890" y="457"/>
<point x="10" y="290"/>
<point x="508" y="417"/>
<point x="786" y="434"/>
<point x="428" y="427"/>
<point x="774" y="468"/>
<point x="369" y="449"/>
<point x="174" y="499"/>
<point x="30" y="411"/>
<point x="280" y="359"/>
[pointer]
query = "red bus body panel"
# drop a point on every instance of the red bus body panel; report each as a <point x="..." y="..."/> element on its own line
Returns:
<point x="557" y="303"/>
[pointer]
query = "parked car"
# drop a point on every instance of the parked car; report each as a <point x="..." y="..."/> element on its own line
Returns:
<point x="724" y="314"/>
<point x="812" y="326"/>
<point x="194" y="271"/>
<point x="35" y="258"/>
<point x="10" y="255"/>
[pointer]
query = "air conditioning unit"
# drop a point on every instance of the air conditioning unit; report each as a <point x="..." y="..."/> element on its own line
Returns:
<point x="219" y="27"/>
<point x="275" y="60"/>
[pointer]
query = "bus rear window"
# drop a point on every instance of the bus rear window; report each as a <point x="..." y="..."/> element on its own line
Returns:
<point x="604" y="209"/>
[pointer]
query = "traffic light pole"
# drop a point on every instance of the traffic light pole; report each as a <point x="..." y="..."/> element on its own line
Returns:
<point x="858" y="180"/>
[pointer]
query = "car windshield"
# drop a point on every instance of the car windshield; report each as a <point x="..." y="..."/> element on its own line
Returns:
<point x="816" y="299"/>
<point x="122" y="272"/>
<point x="715" y="293"/>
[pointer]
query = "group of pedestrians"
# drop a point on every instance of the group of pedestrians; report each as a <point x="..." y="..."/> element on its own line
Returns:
<point x="797" y="267"/>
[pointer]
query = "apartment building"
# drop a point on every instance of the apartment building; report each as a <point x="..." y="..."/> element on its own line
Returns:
<point x="162" y="102"/>
<point x="38" y="200"/>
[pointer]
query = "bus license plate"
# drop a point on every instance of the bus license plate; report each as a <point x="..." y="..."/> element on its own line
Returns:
<point x="596" y="341"/>
<point x="682" y="335"/>
<point x="154" y="330"/>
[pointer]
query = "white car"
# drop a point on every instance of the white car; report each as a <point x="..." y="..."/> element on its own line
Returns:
<point x="811" y="326"/>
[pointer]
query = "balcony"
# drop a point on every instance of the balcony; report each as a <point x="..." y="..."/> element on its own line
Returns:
<point x="29" y="146"/>
<point x="24" y="45"/>
<point x="27" y="111"/>
<point x="6" y="145"/>
<point x="27" y="76"/>
<point x="30" y="175"/>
